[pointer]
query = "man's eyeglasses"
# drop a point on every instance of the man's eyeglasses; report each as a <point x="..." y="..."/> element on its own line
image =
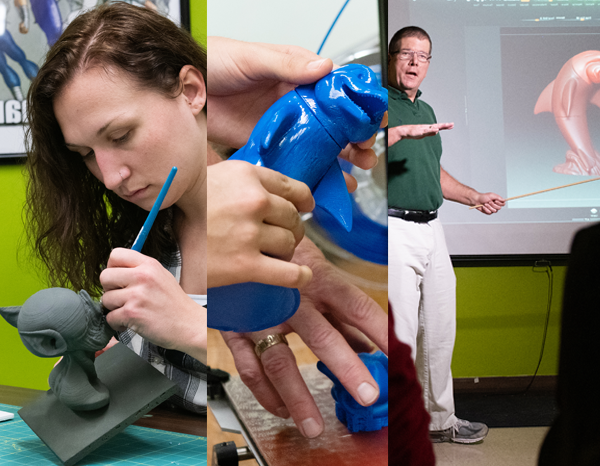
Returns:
<point x="408" y="55"/>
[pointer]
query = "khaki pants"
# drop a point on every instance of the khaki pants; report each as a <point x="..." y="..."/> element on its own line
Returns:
<point x="422" y="293"/>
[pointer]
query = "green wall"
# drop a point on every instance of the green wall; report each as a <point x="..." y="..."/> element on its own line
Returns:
<point x="198" y="20"/>
<point x="501" y="312"/>
<point x="18" y="281"/>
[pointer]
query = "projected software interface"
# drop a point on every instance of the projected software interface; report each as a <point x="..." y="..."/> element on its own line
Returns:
<point x="521" y="81"/>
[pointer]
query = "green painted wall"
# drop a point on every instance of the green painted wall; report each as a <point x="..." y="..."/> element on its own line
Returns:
<point x="198" y="20"/>
<point x="501" y="312"/>
<point x="18" y="281"/>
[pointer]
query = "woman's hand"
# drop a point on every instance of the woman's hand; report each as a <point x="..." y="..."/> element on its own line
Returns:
<point x="144" y="296"/>
<point x="333" y="318"/>
<point x="254" y="226"/>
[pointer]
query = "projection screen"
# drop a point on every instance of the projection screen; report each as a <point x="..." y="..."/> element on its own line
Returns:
<point x="515" y="78"/>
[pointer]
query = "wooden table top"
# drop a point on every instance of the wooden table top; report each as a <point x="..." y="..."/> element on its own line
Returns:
<point x="373" y="282"/>
<point x="220" y="357"/>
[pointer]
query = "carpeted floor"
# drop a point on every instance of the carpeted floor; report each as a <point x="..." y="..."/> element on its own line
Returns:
<point x="536" y="409"/>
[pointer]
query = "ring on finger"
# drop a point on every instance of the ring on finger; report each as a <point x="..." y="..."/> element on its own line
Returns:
<point x="270" y="340"/>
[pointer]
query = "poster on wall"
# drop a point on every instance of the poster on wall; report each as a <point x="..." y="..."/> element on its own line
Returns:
<point x="28" y="28"/>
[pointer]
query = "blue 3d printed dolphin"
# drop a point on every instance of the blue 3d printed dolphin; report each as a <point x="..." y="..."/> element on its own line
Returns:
<point x="301" y="136"/>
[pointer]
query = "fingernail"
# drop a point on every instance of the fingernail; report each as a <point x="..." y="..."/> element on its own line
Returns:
<point x="311" y="428"/>
<point x="283" y="412"/>
<point x="313" y="65"/>
<point x="367" y="393"/>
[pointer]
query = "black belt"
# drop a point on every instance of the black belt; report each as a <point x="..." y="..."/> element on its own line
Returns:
<point x="417" y="216"/>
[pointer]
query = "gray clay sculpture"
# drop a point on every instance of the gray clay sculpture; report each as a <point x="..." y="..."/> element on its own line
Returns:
<point x="59" y="322"/>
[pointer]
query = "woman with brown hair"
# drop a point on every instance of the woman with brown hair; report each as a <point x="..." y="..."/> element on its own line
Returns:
<point x="119" y="100"/>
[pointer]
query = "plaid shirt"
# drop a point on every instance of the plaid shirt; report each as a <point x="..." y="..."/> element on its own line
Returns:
<point x="188" y="373"/>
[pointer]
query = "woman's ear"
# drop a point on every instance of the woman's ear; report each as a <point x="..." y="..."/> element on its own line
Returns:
<point x="194" y="87"/>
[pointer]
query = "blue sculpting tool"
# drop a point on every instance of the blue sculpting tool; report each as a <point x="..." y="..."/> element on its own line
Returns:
<point x="143" y="234"/>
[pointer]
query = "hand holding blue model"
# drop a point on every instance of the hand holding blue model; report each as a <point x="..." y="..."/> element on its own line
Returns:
<point x="301" y="136"/>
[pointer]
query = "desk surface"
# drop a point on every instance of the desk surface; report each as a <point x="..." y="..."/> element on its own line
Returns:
<point x="135" y="446"/>
<point x="164" y="436"/>
<point x="220" y="357"/>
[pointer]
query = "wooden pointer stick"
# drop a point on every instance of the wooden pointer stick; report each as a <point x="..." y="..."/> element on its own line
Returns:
<point x="542" y="191"/>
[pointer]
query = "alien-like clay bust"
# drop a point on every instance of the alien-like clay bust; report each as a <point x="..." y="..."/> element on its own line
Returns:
<point x="59" y="322"/>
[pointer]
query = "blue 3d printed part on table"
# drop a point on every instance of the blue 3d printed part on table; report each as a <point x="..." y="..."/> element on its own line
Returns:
<point x="135" y="446"/>
<point x="301" y="136"/>
<point x="355" y="417"/>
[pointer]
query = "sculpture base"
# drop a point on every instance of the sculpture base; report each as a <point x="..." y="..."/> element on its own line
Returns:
<point x="135" y="388"/>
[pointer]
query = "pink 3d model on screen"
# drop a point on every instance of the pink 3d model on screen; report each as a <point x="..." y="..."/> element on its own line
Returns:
<point x="576" y="86"/>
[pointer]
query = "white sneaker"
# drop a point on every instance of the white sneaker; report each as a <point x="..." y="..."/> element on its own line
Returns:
<point x="461" y="432"/>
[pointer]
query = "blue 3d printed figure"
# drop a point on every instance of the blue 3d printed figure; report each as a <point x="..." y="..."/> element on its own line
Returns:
<point x="301" y="136"/>
<point x="355" y="417"/>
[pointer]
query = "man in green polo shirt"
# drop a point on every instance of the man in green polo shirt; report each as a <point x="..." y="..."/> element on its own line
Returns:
<point x="421" y="278"/>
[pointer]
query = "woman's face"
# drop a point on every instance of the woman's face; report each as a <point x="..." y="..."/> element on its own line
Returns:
<point x="130" y="138"/>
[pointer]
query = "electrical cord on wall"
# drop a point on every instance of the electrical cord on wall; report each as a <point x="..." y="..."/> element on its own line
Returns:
<point x="548" y="269"/>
